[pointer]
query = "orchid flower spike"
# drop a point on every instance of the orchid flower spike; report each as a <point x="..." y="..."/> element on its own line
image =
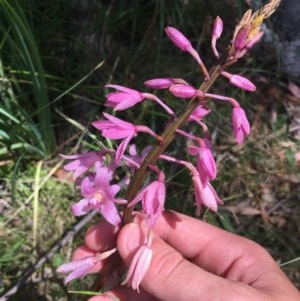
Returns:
<point x="248" y="32"/>
<point x="185" y="45"/>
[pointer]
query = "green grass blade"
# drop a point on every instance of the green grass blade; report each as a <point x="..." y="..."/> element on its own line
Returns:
<point x="26" y="56"/>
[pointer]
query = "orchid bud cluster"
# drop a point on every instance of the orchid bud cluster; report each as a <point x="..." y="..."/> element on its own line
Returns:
<point x="94" y="171"/>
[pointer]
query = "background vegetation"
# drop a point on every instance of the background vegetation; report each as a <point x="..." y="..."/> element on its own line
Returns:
<point x="55" y="58"/>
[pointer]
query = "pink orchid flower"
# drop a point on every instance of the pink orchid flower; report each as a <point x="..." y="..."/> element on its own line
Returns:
<point x="115" y="128"/>
<point x="100" y="195"/>
<point x="135" y="157"/>
<point x="206" y="164"/>
<point x="153" y="200"/>
<point x="82" y="162"/>
<point x="205" y="195"/>
<point x="241" y="127"/>
<point x="80" y="268"/>
<point x="126" y="98"/>
<point x="139" y="265"/>
<point x="199" y="113"/>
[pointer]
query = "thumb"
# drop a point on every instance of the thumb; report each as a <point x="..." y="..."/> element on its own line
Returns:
<point x="170" y="276"/>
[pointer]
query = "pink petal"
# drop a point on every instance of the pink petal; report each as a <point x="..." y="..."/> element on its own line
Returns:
<point x="241" y="37"/>
<point x="78" y="268"/>
<point x="117" y="121"/>
<point x="254" y="40"/>
<point x="81" y="163"/>
<point x="114" y="128"/>
<point x="82" y="207"/>
<point x="183" y="91"/>
<point x="122" y="88"/>
<point x="103" y="176"/>
<point x="200" y="112"/>
<point x="122" y="147"/>
<point x="193" y="150"/>
<point x="159" y="83"/>
<point x="178" y="38"/>
<point x="87" y="187"/>
<point x="240" y="123"/>
<point x="138" y="267"/>
<point x="242" y="83"/>
<point x="110" y="213"/>
<point x="217" y="27"/>
<point x="121" y="101"/>
<point x="197" y="188"/>
<point x="208" y="198"/>
<point x="207" y="163"/>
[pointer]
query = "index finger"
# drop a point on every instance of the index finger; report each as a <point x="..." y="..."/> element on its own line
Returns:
<point x="213" y="249"/>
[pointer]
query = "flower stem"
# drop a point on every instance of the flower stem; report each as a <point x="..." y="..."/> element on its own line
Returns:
<point x="167" y="136"/>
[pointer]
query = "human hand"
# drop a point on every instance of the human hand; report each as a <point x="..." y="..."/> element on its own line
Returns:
<point x="192" y="260"/>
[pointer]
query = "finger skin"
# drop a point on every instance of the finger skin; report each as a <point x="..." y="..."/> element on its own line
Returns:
<point x="171" y="277"/>
<point x="251" y="273"/>
<point x="101" y="237"/>
<point x="215" y="250"/>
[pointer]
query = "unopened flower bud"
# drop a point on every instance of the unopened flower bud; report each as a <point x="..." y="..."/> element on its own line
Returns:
<point x="163" y="83"/>
<point x="159" y="83"/>
<point x="184" y="91"/>
<point x="217" y="27"/>
<point x="254" y="40"/>
<point x="216" y="33"/>
<point x="178" y="38"/>
<point x="241" y="37"/>
<point x="240" y="81"/>
<point x="185" y="45"/>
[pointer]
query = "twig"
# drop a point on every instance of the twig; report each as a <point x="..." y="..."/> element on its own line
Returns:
<point x="22" y="280"/>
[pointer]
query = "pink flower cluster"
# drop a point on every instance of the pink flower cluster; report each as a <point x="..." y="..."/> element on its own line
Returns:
<point x="94" y="171"/>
